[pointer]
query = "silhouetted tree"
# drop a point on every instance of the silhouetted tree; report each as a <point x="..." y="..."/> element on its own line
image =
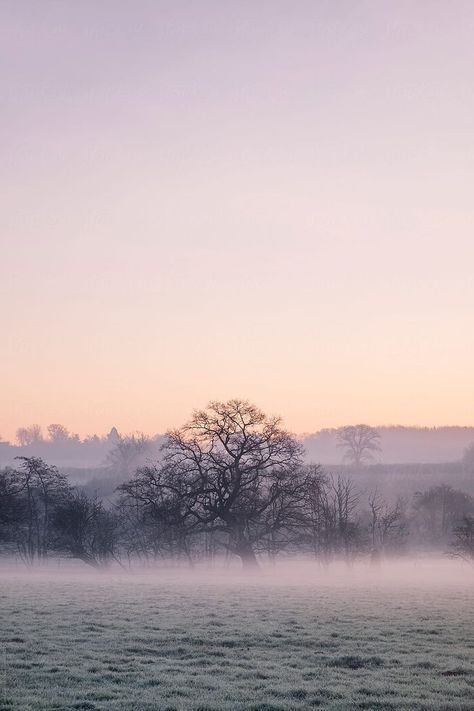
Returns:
<point x="27" y="436"/>
<point x="359" y="443"/>
<point x="387" y="524"/>
<point x="39" y="489"/>
<point x="463" y="544"/>
<point x="332" y="526"/>
<point x="232" y="469"/>
<point x="85" y="530"/>
<point x="344" y="502"/>
<point x="318" y="523"/>
<point x="128" y="453"/>
<point x="12" y="506"/>
<point x="438" y="511"/>
<point x="58" y="433"/>
<point x="158" y="520"/>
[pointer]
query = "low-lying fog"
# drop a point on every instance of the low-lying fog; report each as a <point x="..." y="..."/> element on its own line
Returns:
<point x="409" y="571"/>
<point x="294" y="635"/>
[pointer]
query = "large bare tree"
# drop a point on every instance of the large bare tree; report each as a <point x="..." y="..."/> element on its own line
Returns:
<point x="233" y="470"/>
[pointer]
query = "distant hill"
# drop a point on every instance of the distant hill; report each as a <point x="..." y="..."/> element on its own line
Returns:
<point x="399" y="445"/>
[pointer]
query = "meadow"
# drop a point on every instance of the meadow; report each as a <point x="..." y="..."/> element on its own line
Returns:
<point x="281" y="640"/>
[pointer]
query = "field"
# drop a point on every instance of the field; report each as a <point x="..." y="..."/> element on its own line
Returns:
<point x="163" y="640"/>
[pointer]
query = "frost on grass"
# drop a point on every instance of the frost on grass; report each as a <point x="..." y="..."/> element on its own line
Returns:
<point x="152" y="643"/>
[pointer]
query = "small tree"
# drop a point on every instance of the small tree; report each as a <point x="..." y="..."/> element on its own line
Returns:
<point x="315" y="508"/>
<point x="332" y="527"/>
<point x="39" y="489"/>
<point x="387" y="524"/>
<point x="128" y="453"/>
<point x="359" y="443"/>
<point x="438" y="511"/>
<point x="157" y="519"/>
<point x="463" y="544"/>
<point x="85" y="530"/>
<point x="345" y="499"/>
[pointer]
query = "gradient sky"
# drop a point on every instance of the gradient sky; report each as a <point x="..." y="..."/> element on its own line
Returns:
<point x="214" y="199"/>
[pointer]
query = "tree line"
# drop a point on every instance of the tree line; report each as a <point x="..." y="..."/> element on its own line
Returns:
<point x="232" y="482"/>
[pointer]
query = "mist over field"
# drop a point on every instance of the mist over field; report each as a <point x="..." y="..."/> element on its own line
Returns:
<point x="294" y="637"/>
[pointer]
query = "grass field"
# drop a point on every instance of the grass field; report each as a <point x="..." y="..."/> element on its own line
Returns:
<point x="162" y="641"/>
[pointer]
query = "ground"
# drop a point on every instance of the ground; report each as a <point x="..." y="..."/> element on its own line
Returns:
<point x="160" y="640"/>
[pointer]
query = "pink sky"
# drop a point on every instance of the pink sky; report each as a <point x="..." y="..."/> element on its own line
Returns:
<point x="270" y="200"/>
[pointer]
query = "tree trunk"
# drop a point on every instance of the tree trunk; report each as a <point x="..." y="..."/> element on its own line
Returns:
<point x="247" y="556"/>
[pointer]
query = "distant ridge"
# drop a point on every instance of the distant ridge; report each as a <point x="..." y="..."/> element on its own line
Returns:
<point x="400" y="444"/>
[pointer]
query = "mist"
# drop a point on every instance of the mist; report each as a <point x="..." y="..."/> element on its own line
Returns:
<point x="292" y="635"/>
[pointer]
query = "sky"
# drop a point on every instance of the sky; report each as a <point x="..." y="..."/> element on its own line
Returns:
<point x="208" y="199"/>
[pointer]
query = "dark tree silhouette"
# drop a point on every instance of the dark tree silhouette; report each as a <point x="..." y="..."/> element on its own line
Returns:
<point x="438" y="511"/>
<point x="463" y="544"/>
<point x="233" y="470"/>
<point x="331" y="526"/>
<point x="39" y="489"/>
<point x="156" y="514"/>
<point x="12" y="506"/>
<point x="387" y="524"/>
<point x="85" y="530"/>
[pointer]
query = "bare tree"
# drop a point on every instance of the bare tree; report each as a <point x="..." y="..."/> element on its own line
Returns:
<point x="58" y="433"/>
<point x="140" y="535"/>
<point x="39" y="489"/>
<point x="359" y="443"/>
<point x="12" y="506"/>
<point x="332" y="527"/>
<point x="85" y="530"/>
<point x="387" y="524"/>
<point x="159" y="521"/>
<point x="128" y="453"/>
<point x="318" y="521"/>
<point x="345" y="499"/>
<point x="233" y="470"/>
<point x="27" y="436"/>
<point x="438" y="511"/>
